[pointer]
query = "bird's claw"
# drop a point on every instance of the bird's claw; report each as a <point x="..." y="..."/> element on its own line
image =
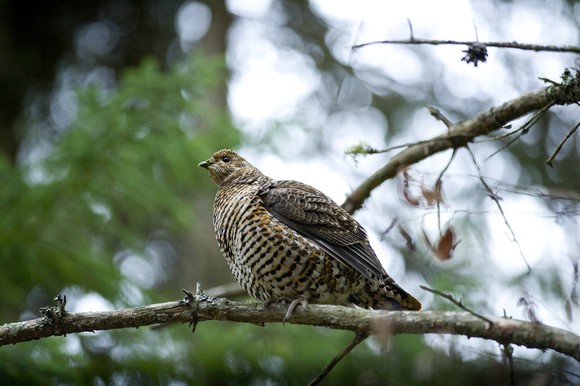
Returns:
<point x="295" y="303"/>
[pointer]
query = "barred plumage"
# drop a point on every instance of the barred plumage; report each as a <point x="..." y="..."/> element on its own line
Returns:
<point x="285" y="240"/>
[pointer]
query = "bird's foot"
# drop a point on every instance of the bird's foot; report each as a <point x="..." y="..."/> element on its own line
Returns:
<point x="300" y="301"/>
<point x="269" y="302"/>
<point x="295" y="303"/>
<point x="282" y="299"/>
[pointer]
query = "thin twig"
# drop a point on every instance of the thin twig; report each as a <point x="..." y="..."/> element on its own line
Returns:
<point x="439" y="116"/>
<point x="368" y="150"/>
<point x="410" y="29"/>
<point x="524" y="129"/>
<point x="461" y="134"/>
<point x="475" y="28"/>
<point x="559" y="147"/>
<point x="532" y="191"/>
<point x="458" y="303"/>
<point x="505" y="146"/>
<point x="498" y="137"/>
<point x="495" y="199"/>
<point x="358" y="338"/>
<point x="389" y="228"/>
<point x="508" y="351"/>
<point x="438" y="187"/>
<point x="514" y="45"/>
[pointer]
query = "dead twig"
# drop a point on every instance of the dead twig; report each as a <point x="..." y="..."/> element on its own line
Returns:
<point x="438" y="184"/>
<point x="439" y="116"/>
<point x="508" y="352"/>
<point x="458" y="303"/>
<point x="358" y="338"/>
<point x="496" y="199"/>
<point x="559" y="147"/>
<point x="524" y="129"/>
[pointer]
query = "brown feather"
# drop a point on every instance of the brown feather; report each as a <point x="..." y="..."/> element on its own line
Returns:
<point x="287" y="240"/>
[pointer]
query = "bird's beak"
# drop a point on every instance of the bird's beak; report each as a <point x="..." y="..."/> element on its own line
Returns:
<point x="204" y="164"/>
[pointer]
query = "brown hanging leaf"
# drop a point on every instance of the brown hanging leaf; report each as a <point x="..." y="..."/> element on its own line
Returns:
<point x="428" y="196"/>
<point x="446" y="244"/>
<point x="432" y="196"/>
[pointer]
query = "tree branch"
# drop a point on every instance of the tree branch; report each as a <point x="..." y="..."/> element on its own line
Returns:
<point x="371" y="322"/>
<point x="463" y="133"/>
<point x="515" y="45"/>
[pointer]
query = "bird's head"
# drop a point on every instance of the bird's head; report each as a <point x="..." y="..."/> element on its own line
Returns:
<point x="227" y="166"/>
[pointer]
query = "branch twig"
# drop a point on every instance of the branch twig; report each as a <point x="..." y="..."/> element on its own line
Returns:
<point x="515" y="45"/>
<point x="358" y="338"/>
<point x="461" y="134"/>
<point x="559" y="147"/>
<point x="508" y="352"/>
<point x="523" y="130"/>
<point x="495" y="199"/>
<point x="458" y="303"/>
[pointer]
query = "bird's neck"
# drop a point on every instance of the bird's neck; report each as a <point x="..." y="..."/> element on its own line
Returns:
<point x="246" y="177"/>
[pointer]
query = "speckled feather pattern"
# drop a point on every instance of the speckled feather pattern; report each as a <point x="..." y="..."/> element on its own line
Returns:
<point x="285" y="240"/>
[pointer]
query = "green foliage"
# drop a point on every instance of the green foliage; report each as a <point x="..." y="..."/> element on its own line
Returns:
<point x="120" y="175"/>
<point x="221" y="353"/>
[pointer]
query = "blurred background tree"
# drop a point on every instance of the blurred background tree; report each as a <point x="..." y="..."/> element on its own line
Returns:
<point x="108" y="106"/>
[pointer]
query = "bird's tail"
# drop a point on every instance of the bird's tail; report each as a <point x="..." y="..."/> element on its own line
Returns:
<point x="397" y="298"/>
<point x="403" y="301"/>
<point x="413" y="304"/>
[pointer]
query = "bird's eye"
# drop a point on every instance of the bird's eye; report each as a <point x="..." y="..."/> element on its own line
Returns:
<point x="226" y="159"/>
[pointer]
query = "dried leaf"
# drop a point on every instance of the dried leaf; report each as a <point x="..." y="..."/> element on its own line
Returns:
<point x="432" y="196"/>
<point x="445" y="246"/>
<point x="428" y="195"/>
<point x="411" y="200"/>
<point x="427" y="198"/>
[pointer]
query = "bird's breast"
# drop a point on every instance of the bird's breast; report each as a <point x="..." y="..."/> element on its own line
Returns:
<point x="268" y="258"/>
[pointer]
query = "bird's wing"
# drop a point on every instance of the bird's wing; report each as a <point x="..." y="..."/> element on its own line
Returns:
<point x="318" y="218"/>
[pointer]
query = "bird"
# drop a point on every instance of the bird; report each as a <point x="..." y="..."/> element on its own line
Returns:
<point x="285" y="241"/>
